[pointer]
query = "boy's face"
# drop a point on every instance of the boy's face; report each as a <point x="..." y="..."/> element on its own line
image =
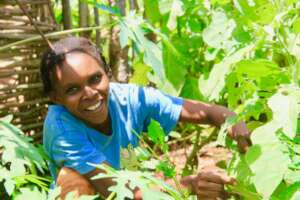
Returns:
<point x="81" y="85"/>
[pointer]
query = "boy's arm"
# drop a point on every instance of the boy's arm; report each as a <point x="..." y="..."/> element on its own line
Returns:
<point x="70" y="180"/>
<point x="199" y="112"/>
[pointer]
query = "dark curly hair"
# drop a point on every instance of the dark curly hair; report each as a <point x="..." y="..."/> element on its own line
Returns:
<point x="56" y="55"/>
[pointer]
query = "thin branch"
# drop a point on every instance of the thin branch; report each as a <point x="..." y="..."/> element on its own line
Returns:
<point x="33" y="23"/>
<point x="55" y="34"/>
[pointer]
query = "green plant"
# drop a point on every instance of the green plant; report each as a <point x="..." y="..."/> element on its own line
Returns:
<point x="22" y="163"/>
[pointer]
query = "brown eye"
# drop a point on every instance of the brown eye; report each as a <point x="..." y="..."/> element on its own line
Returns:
<point x="95" y="79"/>
<point x="72" y="90"/>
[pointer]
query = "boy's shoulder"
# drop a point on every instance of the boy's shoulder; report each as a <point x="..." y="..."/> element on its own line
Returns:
<point x="122" y="87"/>
<point x="60" y="119"/>
<point x="123" y="92"/>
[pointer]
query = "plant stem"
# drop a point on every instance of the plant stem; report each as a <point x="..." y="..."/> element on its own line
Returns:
<point x="177" y="184"/>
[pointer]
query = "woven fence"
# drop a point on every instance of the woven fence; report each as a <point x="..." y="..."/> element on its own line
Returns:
<point x="20" y="85"/>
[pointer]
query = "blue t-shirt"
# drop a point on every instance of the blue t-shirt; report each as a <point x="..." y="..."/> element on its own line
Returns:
<point x="70" y="142"/>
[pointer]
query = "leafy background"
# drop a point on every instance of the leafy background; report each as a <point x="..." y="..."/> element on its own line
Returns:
<point x="243" y="54"/>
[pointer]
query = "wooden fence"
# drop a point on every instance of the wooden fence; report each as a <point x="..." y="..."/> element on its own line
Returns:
<point x="20" y="85"/>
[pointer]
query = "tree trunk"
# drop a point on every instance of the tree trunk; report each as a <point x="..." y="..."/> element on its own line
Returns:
<point x="118" y="57"/>
<point x="66" y="12"/>
<point x="84" y="17"/>
<point x="97" y="23"/>
<point x="133" y="5"/>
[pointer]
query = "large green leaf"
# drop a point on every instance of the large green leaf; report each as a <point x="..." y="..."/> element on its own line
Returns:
<point x="18" y="148"/>
<point x="265" y="157"/>
<point x="140" y="74"/>
<point x="190" y="89"/>
<point x="31" y="193"/>
<point x="215" y="83"/>
<point x="256" y="69"/>
<point x="157" y="135"/>
<point x="284" y="105"/>
<point x="133" y="179"/>
<point x="260" y="11"/>
<point x="152" y="53"/>
<point x="174" y="68"/>
<point x="266" y="153"/>
<point x="152" y="10"/>
<point x="219" y="31"/>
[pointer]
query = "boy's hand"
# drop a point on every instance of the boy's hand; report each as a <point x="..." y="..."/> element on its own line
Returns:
<point x="70" y="180"/>
<point x="209" y="183"/>
<point x="240" y="133"/>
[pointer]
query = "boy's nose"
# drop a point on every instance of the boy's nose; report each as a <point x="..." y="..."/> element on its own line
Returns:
<point x="89" y="92"/>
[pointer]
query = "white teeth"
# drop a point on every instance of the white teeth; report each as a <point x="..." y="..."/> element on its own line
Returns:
<point x="94" y="107"/>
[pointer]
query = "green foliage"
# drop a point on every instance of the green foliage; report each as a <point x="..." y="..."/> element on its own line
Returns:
<point x="127" y="180"/>
<point x="21" y="162"/>
<point x="157" y="135"/>
<point x="242" y="54"/>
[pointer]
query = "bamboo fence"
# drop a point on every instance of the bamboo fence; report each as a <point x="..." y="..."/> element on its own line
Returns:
<point x="20" y="86"/>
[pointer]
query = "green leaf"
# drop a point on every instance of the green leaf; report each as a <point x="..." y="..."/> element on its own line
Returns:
<point x="31" y="193"/>
<point x="174" y="68"/>
<point x="219" y="31"/>
<point x="296" y="26"/>
<point x="17" y="148"/>
<point x="296" y="195"/>
<point x="109" y="9"/>
<point x="261" y="158"/>
<point x="7" y="118"/>
<point x="165" y="6"/>
<point x="143" y="180"/>
<point x="266" y="153"/>
<point x="9" y="185"/>
<point x="54" y="193"/>
<point x="286" y="118"/>
<point x="152" y="10"/>
<point x="292" y="176"/>
<point x="140" y="71"/>
<point x="152" y="194"/>
<point x="256" y="69"/>
<point x="120" y="189"/>
<point x="176" y="11"/>
<point x="167" y="168"/>
<point x="157" y="135"/>
<point x="266" y="13"/>
<point x="215" y="83"/>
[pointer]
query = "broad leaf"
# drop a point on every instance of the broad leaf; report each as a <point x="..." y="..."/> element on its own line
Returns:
<point x="212" y="87"/>
<point x="219" y="31"/>
<point x="284" y="105"/>
<point x="176" y="11"/>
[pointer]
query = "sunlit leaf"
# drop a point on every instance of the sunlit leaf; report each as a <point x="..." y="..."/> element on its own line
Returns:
<point x="157" y="135"/>
<point x="152" y="10"/>
<point x="212" y="87"/>
<point x="31" y="193"/>
<point x="176" y="11"/>
<point x="219" y="31"/>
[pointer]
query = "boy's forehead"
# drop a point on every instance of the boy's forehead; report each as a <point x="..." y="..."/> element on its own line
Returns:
<point x="78" y="58"/>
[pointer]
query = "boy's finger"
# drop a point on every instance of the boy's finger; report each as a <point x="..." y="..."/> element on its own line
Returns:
<point x="243" y="143"/>
<point x="216" y="177"/>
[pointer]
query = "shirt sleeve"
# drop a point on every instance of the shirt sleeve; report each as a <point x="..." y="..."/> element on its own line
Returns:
<point x="74" y="150"/>
<point x="161" y="107"/>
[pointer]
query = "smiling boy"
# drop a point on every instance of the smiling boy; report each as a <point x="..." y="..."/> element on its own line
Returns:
<point x="91" y="119"/>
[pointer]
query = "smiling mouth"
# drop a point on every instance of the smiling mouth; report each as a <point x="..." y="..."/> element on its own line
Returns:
<point x="94" y="107"/>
